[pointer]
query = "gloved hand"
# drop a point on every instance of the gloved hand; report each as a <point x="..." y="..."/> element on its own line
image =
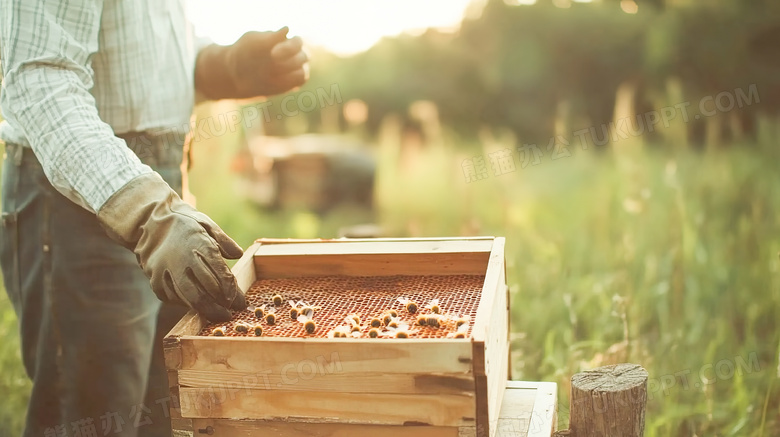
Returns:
<point x="258" y="64"/>
<point x="180" y="249"/>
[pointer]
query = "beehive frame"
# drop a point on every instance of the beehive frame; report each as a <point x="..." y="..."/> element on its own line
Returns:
<point x="426" y="385"/>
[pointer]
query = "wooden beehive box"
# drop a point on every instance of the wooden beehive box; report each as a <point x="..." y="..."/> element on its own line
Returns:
<point x="427" y="385"/>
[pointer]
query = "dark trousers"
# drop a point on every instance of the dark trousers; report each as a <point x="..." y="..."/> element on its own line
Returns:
<point x="91" y="327"/>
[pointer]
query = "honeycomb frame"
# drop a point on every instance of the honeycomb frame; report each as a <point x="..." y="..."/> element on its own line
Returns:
<point x="339" y="296"/>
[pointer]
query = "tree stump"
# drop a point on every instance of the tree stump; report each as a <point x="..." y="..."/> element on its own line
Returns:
<point x="609" y="401"/>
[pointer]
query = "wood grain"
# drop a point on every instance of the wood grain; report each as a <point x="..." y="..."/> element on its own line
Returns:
<point x="244" y="268"/>
<point x="520" y="408"/>
<point x="295" y="266"/>
<point x="609" y="400"/>
<point x="494" y="271"/>
<point x="371" y="240"/>
<point x="445" y="257"/>
<point x="258" y="428"/>
<point x="398" y="383"/>
<point x="491" y="343"/>
<point x="516" y="411"/>
<point x="283" y="356"/>
<point x="317" y="407"/>
<point x="544" y="418"/>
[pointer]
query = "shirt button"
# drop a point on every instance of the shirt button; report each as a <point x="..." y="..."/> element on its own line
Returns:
<point x="45" y="247"/>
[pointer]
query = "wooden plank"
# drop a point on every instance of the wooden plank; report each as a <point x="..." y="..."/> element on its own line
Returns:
<point x="544" y="420"/>
<point x="175" y="406"/>
<point x="292" y="266"/>
<point x="260" y="428"/>
<point x="372" y="247"/>
<point x="508" y="328"/>
<point x="317" y="407"/>
<point x="493" y="275"/>
<point x="491" y="342"/>
<point x="173" y="379"/>
<point x="496" y="358"/>
<point x="399" y="383"/>
<point x="369" y="258"/>
<point x="182" y="427"/>
<point x="521" y="409"/>
<point x="517" y="410"/>
<point x="173" y="389"/>
<point x="295" y="266"/>
<point x="372" y="240"/>
<point x="190" y="324"/>
<point x="483" y="424"/>
<point x="244" y="269"/>
<point x="286" y="356"/>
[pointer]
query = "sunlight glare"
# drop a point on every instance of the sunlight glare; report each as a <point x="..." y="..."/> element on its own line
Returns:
<point x="629" y="6"/>
<point x="343" y="27"/>
<point x="519" y="2"/>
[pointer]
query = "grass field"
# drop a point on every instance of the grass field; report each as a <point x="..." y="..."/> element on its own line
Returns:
<point x="666" y="259"/>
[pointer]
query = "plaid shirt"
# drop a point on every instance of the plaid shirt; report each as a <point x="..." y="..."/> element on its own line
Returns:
<point x="78" y="71"/>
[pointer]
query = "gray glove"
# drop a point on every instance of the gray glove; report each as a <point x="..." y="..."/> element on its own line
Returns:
<point x="180" y="249"/>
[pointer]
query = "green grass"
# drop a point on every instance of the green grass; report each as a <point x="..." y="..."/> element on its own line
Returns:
<point x="666" y="259"/>
<point x="14" y="385"/>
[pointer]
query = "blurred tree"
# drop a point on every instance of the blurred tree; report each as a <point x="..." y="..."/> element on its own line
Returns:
<point x="514" y="64"/>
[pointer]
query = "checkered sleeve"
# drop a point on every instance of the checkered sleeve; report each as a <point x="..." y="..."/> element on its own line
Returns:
<point x="46" y="50"/>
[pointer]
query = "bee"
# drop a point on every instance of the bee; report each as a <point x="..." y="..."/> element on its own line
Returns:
<point x="308" y="324"/>
<point x="421" y="320"/>
<point x="387" y="318"/>
<point x="242" y="327"/>
<point x="270" y="317"/>
<point x="353" y="321"/>
<point x="394" y="323"/>
<point x="433" y="320"/>
<point x="373" y="332"/>
<point x="354" y="318"/>
<point x="301" y="308"/>
<point x="339" y="332"/>
<point x="259" y="311"/>
<point x="258" y="330"/>
<point x="375" y="322"/>
<point x="411" y="306"/>
<point x="462" y="320"/>
<point x="219" y="331"/>
<point x="460" y="333"/>
<point x="294" y="310"/>
<point x="434" y="306"/>
<point x="277" y="299"/>
<point x="401" y="331"/>
<point x="308" y="310"/>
